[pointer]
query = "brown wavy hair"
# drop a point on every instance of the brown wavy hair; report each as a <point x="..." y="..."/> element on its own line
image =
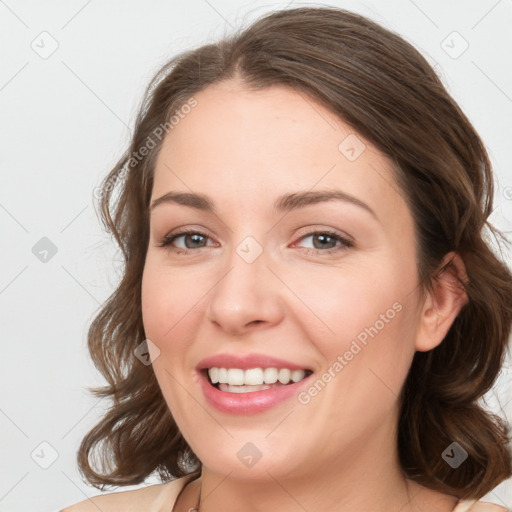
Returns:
<point x="387" y="92"/>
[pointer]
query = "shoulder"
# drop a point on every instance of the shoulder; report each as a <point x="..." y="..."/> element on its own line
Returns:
<point x="153" y="498"/>
<point x="478" y="506"/>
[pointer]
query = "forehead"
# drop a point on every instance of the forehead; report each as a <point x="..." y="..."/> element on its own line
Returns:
<point x="261" y="144"/>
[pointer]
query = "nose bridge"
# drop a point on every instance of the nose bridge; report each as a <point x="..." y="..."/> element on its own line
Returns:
<point x="246" y="294"/>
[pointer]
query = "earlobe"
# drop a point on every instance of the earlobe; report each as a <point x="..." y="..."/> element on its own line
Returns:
<point x="443" y="302"/>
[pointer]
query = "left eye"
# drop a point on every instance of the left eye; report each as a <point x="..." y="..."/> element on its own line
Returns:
<point x="326" y="241"/>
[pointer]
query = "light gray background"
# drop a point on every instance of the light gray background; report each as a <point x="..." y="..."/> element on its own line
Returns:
<point x="67" y="118"/>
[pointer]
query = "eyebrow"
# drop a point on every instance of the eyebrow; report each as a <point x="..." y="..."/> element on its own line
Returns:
<point x="284" y="203"/>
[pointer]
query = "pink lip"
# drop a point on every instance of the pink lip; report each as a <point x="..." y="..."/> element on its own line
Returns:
<point x="247" y="403"/>
<point x="247" y="361"/>
<point x="255" y="401"/>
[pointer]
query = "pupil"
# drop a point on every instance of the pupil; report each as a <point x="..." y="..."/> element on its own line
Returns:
<point x="195" y="238"/>
<point x="324" y="238"/>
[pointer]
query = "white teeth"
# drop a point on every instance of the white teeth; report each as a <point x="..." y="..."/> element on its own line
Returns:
<point x="214" y="375"/>
<point x="223" y="375"/>
<point x="270" y="375"/>
<point x="298" y="375"/>
<point x="284" y="375"/>
<point x="253" y="377"/>
<point x="242" y="389"/>
<point x="236" y="377"/>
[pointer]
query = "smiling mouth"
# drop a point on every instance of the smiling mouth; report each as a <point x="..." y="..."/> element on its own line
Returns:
<point x="237" y="380"/>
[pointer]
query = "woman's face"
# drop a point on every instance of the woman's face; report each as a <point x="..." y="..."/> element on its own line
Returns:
<point x="301" y="256"/>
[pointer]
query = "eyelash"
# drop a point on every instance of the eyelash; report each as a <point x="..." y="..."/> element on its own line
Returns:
<point x="169" y="239"/>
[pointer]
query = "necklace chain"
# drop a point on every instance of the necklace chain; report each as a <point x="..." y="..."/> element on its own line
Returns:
<point x="196" y="509"/>
<point x="191" y="509"/>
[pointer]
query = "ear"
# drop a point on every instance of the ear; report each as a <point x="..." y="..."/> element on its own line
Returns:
<point x="443" y="303"/>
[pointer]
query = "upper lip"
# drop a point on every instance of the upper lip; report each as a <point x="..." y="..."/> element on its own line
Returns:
<point x="244" y="362"/>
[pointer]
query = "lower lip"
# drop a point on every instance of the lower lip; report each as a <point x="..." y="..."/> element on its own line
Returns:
<point x="253" y="402"/>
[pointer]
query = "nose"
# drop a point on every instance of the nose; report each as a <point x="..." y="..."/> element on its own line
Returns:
<point x="246" y="298"/>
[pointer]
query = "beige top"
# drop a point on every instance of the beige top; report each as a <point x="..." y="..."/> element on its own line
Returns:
<point x="161" y="498"/>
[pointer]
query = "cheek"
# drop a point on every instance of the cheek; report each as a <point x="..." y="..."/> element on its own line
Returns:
<point x="365" y="316"/>
<point x="342" y="303"/>
<point x="170" y="309"/>
<point x="170" y="302"/>
<point x="366" y="359"/>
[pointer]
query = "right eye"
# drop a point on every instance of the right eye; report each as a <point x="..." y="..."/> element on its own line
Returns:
<point x="190" y="240"/>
